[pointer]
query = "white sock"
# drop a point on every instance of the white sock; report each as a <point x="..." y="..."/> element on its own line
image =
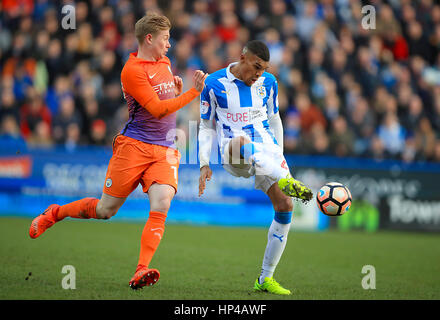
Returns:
<point x="276" y="242"/>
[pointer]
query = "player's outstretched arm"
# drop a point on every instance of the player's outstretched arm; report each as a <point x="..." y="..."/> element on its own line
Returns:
<point x="275" y="122"/>
<point x="135" y="83"/>
<point x="276" y="125"/>
<point x="205" y="174"/>
<point x="206" y="135"/>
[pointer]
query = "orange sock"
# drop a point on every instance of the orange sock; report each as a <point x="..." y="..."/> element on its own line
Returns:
<point x="80" y="209"/>
<point x="151" y="236"/>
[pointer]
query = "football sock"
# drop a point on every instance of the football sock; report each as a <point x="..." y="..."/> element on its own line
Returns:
<point x="151" y="236"/>
<point x="264" y="163"/>
<point x="80" y="209"/>
<point x="276" y="242"/>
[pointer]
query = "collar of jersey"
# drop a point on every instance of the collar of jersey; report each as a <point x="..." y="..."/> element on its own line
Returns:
<point x="133" y="55"/>
<point x="229" y="74"/>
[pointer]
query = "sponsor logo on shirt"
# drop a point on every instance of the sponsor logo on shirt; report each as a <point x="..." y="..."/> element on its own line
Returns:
<point x="164" y="88"/>
<point x="248" y="116"/>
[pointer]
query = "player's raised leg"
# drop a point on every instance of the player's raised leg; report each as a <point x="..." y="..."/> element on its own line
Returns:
<point x="160" y="196"/>
<point x="86" y="208"/>
<point x="276" y="241"/>
<point x="266" y="163"/>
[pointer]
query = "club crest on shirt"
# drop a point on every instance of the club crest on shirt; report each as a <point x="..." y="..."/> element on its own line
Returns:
<point x="261" y="91"/>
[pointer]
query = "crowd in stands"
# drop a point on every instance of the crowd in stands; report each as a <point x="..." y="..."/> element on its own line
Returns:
<point x="344" y="90"/>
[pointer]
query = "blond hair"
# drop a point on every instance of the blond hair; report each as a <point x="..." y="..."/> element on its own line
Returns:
<point x="151" y="23"/>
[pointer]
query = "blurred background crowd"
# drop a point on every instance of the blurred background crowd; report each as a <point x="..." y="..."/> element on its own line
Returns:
<point x="343" y="90"/>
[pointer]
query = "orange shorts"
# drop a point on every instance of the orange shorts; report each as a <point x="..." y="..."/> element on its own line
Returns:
<point x="135" y="162"/>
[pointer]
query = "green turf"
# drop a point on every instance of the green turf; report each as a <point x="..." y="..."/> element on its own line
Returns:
<point x="213" y="263"/>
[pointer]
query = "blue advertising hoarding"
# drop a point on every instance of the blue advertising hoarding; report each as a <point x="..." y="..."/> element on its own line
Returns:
<point x="31" y="180"/>
<point x="386" y="194"/>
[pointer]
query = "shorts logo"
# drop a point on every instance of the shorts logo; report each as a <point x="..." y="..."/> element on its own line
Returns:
<point x="284" y="165"/>
<point x="204" y="107"/>
<point x="261" y="91"/>
<point x="108" y="183"/>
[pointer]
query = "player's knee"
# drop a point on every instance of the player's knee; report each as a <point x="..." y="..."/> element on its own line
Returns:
<point x="105" y="213"/>
<point x="161" y="205"/>
<point x="236" y="144"/>
<point x="243" y="140"/>
<point x="284" y="205"/>
<point x="108" y="213"/>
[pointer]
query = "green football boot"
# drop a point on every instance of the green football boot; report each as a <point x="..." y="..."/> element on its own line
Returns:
<point x="271" y="286"/>
<point x="294" y="188"/>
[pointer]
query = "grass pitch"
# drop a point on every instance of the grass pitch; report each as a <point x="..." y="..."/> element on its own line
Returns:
<point x="213" y="263"/>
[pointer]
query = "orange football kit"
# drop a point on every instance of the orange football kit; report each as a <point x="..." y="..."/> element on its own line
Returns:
<point x="143" y="152"/>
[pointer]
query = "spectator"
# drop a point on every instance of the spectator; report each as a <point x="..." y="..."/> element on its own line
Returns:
<point x="338" y="65"/>
<point x="72" y="137"/>
<point x="272" y="39"/>
<point x="228" y="28"/>
<point x="418" y="43"/>
<point x="200" y="17"/>
<point x="60" y="89"/>
<point x="392" y="135"/>
<point x="68" y="115"/>
<point x="307" y="21"/>
<point x="249" y="12"/>
<point x="109" y="29"/>
<point x="309" y="114"/>
<point x="9" y="106"/>
<point x="54" y="61"/>
<point x="41" y="137"/>
<point x="33" y="112"/>
<point x="425" y="139"/>
<point x="99" y="133"/>
<point x="316" y="141"/>
<point x="367" y="72"/>
<point x="341" y="138"/>
<point x="41" y="45"/>
<point x="109" y="68"/>
<point x="363" y="124"/>
<point x="10" y="137"/>
<point x="332" y="107"/>
<point x="377" y="149"/>
<point x="436" y="157"/>
<point x="291" y="131"/>
<point x="386" y="23"/>
<point x="413" y="115"/>
<point x="112" y="100"/>
<point x="288" y="26"/>
<point x="277" y="12"/>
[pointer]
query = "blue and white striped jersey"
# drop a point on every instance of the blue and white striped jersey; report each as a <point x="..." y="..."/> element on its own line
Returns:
<point x="240" y="110"/>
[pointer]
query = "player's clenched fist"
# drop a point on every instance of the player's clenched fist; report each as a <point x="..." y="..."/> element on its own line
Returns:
<point x="199" y="79"/>
<point x="205" y="174"/>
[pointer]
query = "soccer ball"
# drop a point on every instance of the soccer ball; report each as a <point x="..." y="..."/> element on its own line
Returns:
<point x="334" y="199"/>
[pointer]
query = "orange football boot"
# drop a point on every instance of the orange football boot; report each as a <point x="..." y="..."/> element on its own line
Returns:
<point x="43" y="221"/>
<point x="144" y="277"/>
